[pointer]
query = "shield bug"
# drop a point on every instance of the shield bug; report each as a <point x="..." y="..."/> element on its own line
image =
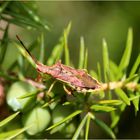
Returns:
<point x="77" y="79"/>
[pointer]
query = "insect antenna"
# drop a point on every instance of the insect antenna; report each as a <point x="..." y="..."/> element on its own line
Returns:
<point x="26" y="53"/>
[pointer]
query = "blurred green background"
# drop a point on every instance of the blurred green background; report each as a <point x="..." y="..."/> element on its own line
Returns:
<point x="94" y="21"/>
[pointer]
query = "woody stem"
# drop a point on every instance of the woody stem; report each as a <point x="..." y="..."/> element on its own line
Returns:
<point x="119" y="84"/>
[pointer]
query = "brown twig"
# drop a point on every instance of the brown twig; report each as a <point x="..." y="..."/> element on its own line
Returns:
<point x="117" y="84"/>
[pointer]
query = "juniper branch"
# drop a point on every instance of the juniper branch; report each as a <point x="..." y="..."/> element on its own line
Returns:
<point x="118" y="84"/>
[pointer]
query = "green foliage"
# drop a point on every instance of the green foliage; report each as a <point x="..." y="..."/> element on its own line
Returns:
<point x="35" y="119"/>
<point x="127" y="53"/>
<point x="66" y="33"/>
<point x="57" y="114"/>
<point x="106" y="61"/>
<point x="4" y="44"/>
<point x="105" y="127"/>
<point x="18" y="89"/>
<point x="5" y="121"/>
<point x="13" y="133"/>
<point x="26" y="17"/>
<point x="79" y="129"/>
<point x="82" y="55"/>
<point x="65" y="119"/>
<point x="87" y="126"/>
<point x="60" y="47"/>
<point x="40" y="115"/>
<point x="102" y="108"/>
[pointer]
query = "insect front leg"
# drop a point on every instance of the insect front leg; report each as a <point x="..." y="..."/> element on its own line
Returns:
<point x="50" y="88"/>
<point x="69" y="91"/>
<point x="39" y="78"/>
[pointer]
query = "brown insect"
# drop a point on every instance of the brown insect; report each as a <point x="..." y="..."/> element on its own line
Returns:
<point x="77" y="79"/>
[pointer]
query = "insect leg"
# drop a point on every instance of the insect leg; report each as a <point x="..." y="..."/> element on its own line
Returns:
<point x="50" y="88"/>
<point x="69" y="91"/>
<point x="39" y="78"/>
